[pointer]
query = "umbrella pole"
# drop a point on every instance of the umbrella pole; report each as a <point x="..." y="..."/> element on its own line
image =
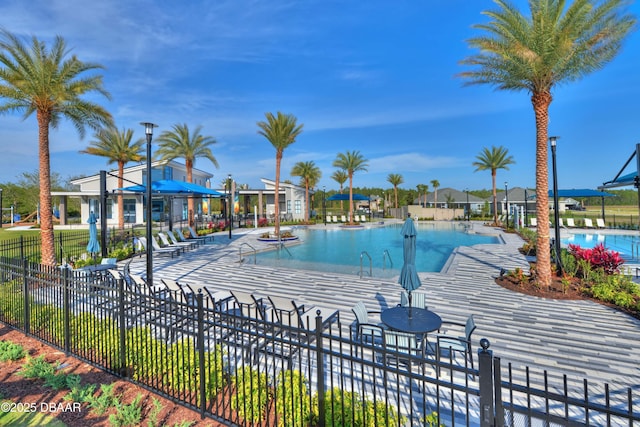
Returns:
<point x="409" y="304"/>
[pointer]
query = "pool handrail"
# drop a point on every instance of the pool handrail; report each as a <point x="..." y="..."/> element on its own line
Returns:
<point x="362" y="254"/>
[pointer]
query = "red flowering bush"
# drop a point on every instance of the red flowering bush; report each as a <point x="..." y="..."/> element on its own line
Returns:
<point x="598" y="257"/>
<point x="263" y="222"/>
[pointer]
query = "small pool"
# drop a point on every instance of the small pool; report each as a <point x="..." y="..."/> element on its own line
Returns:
<point x="339" y="250"/>
<point x="625" y="244"/>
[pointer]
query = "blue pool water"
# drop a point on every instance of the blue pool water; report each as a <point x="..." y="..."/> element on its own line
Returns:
<point x="339" y="250"/>
<point x="625" y="244"/>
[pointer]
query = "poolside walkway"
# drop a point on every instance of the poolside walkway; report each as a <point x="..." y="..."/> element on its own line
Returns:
<point x="582" y="339"/>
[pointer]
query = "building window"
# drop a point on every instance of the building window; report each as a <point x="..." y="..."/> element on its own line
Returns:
<point x="288" y="206"/>
<point x="109" y="208"/>
<point x="298" y="207"/>
<point x="129" y="211"/>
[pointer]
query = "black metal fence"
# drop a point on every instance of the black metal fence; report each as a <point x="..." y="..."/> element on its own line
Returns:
<point x="246" y="365"/>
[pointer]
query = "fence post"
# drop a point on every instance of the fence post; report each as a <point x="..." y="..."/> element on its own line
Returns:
<point x="320" y="366"/>
<point x="66" y="310"/>
<point x="486" y="386"/>
<point x="25" y="292"/>
<point x="497" y="384"/>
<point x="122" y="330"/>
<point x="200" y="348"/>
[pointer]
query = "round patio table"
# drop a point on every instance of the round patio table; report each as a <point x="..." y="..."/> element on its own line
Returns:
<point x="411" y="319"/>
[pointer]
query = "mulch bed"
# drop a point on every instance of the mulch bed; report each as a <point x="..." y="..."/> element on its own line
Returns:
<point x="20" y="390"/>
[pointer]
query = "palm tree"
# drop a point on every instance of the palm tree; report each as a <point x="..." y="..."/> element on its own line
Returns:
<point x="117" y="147"/>
<point x="435" y="184"/>
<point x="310" y="174"/>
<point x="494" y="159"/>
<point x="51" y="84"/>
<point x="179" y="143"/>
<point x="351" y="161"/>
<point x="340" y="176"/>
<point x="534" y="53"/>
<point x="281" y="131"/>
<point x="395" y="180"/>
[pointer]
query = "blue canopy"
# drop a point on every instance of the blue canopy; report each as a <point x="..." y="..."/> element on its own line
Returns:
<point x="167" y="186"/>
<point x="583" y="192"/>
<point x="340" y="196"/>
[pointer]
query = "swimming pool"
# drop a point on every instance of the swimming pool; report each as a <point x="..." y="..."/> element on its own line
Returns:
<point x="627" y="245"/>
<point x="339" y="250"/>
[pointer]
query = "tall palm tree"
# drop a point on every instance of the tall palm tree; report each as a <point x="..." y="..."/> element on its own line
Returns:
<point x="351" y="162"/>
<point x="395" y="179"/>
<point x="435" y="184"/>
<point x="340" y="176"/>
<point x="535" y="52"/>
<point x="494" y="159"/>
<point x="310" y="174"/>
<point x="281" y="131"/>
<point x="117" y="147"/>
<point x="180" y="143"/>
<point x="51" y="84"/>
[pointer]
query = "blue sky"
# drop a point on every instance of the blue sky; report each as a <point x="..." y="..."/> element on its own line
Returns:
<point x="374" y="76"/>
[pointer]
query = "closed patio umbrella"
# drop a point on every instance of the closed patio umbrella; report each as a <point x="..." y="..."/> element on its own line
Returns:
<point x="409" y="279"/>
<point x="93" y="247"/>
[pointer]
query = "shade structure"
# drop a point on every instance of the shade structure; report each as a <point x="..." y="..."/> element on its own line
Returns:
<point x="409" y="279"/>
<point x="93" y="246"/>
<point x="340" y="196"/>
<point x="168" y="186"/>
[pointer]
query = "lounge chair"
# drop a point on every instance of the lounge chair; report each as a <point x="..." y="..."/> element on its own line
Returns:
<point x="190" y="245"/>
<point x="167" y="244"/>
<point x="197" y="242"/>
<point x="600" y="223"/>
<point x="533" y="222"/>
<point x="195" y="235"/>
<point x="288" y="313"/>
<point x="343" y="218"/>
<point x="588" y="223"/>
<point x="570" y="223"/>
<point x="561" y="223"/>
<point x="156" y="247"/>
<point x="363" y="218"/>
<point x="335" y="218"/>
<point x="328" y="218"/>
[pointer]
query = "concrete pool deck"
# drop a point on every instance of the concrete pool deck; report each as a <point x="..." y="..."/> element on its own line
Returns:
<point x="581" y="339"/>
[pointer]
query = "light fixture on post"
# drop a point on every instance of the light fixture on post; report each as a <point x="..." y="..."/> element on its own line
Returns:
<point x="230" y="204"/>
<point x="468" y="206"/>
<point x="556" y="214"/>
<point x="506" y="195"/>
<point x="148" y="130"/>
<point x="324" y="204"/>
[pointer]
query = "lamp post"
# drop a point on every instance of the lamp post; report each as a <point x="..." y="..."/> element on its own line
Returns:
<point x="556" y="214"/>
<point x="148" y="130"/>
<point x="324" y="204"/>
<point x="230" y="204"/>
<point x="1" y="211"/>
<point x="468" y="206"/>
<point x="506" y="195"/>
<point x="526" y="208"/>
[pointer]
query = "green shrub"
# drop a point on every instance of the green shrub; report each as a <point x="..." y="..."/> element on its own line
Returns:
<point x="105" y="400"/>
<point x="11" y="351"/>
<point x="252" y="394"/>
<point x="185" y="373"/>
<point x="127" y="415"/>
<point x="37" y="368"/>
<point x="348" y="409"/>
<point x="569" y="263"/>
<point x="292" y="399"/>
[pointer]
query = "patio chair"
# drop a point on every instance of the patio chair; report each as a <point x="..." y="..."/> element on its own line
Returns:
<point x="194" y="235"/>
<point x="447" y="342"/>
<point x="335" y="218"/>
<point x="418" y="299"/>
<point x="600" y="223"/>
<point x="533" y="222"/>
<point x="571" y="223"/>
<point x="402" y="347"/>
<point x="328" y="219"/>
<point x="199" y="241"/>
<point x="588" y="223"/>
<point x="561" y="223"/>
<point x="364" y="327"/>
<point x="109" y="261"/>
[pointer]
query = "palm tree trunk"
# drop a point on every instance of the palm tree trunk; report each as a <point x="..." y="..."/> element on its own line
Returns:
<point x="120" y="196"/>
<point x="395" y="192"/>
<point x="190" y="201"/>
<point x="46" y="220"/>
<point x="350" y="198"/>
<point x="541" y="102"/>
<point x="306" y="201"/>
<point x="277" y="195"/>
<point x="495" y="197"/>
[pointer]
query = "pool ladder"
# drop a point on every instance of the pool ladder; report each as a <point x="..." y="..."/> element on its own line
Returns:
<point x="385" y="255"/>
<point x="252" y="248"/>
